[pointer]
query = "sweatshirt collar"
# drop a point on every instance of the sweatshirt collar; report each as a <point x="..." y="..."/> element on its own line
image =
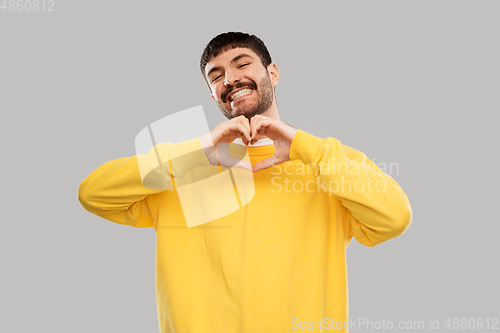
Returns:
<point x="264" y="148"/>
<point x="260" y="143"/>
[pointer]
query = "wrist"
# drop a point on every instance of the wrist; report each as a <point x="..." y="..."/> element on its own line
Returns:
<point x="290" y="133"/>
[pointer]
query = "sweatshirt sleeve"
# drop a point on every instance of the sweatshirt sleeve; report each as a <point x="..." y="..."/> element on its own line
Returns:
<point x="118" y="190"/>
<point x="377" y="209"/>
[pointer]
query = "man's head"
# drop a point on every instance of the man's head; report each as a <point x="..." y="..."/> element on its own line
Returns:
<point x="240" y="74"/>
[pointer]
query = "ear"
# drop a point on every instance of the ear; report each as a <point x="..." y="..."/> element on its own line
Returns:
<point x="274" y="73"/>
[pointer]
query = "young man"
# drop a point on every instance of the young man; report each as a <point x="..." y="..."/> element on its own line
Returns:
<point x="278" y="263"/>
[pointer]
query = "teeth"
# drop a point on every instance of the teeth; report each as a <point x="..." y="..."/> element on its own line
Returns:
<point x="240" y="93"/>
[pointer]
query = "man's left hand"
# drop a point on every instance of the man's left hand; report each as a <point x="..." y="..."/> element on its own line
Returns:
<point x="282" y="134"/>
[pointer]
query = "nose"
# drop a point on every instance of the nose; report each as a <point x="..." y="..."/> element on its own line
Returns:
<point x="231" y="78"/>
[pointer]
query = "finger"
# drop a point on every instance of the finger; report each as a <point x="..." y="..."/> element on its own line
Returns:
<point x="233" y="162"/>
<point x="244" y="164"/>
<point x="267" y="163"/>
<point x="244" y="121"/>
<point x="223" y="130"/>
<point x="229" y="161"/>
<point x="259" y="127"/>
<point x="253" y="122"/>
<point x="259" y="136"/>
<point x="237" y="130"/>
<point x="244" y="133"/>
<point x="254" y="126"/>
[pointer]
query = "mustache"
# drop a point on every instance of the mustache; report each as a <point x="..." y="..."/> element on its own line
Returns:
<point x="237" y="85"/>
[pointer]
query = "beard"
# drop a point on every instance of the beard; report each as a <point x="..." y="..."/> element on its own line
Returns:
<point x="264" y="99"/>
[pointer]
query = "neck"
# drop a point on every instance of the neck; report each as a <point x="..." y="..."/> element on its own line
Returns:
<point x="272" y="112"/>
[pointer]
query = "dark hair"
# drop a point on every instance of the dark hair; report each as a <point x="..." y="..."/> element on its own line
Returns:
<point x="232" y="40"/>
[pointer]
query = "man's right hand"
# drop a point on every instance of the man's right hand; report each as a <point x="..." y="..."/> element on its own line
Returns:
<point x="216" y="143"/>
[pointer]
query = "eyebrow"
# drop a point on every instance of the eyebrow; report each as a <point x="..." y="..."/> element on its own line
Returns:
<point x="238" y="57"/>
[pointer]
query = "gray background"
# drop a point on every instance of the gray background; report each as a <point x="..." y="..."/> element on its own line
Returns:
<point x="409" y="82"/>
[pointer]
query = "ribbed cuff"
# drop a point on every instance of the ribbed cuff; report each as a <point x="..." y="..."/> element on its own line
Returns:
<point x="187" y="155"/>
<point x="305" y="147"/>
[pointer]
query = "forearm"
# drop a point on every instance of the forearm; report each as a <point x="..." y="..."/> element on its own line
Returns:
<point x="377" y="207"/>
<point x="117" y="189"/>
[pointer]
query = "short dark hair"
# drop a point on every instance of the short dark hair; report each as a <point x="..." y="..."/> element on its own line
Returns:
<point x="232" y="40"/>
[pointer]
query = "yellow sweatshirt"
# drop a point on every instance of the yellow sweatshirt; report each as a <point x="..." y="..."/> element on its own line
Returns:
<point x="278" y="263"/>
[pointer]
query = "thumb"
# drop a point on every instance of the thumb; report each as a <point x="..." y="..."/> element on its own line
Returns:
<point x="243" y="164"/>
<point x="233" y="162"/>
<point x="267" y="163"/>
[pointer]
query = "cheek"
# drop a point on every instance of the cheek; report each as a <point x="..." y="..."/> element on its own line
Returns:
<point x="214" y="93"/>
<point x="217" y="93"/>
<point x="216" y="98"/>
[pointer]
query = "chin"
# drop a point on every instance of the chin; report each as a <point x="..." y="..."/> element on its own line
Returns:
<point x="238" y="112"/>
<point x="246" y="113"/>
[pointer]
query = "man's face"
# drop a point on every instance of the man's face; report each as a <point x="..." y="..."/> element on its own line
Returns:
<point x="240" y="84"/>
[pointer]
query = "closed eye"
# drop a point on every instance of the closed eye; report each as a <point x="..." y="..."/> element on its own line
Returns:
<point x="216" y="78"/>
<point x="243" y="65"/>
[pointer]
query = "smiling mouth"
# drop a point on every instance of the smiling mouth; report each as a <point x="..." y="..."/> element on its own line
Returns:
<point x="240" y="93"/>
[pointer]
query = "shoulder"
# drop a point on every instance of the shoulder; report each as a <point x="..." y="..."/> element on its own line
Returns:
<point x="352" y="153"/>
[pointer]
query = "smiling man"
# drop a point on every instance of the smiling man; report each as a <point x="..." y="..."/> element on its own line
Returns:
<point x="233" y="76"/>
<point x="278" y="263"/>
